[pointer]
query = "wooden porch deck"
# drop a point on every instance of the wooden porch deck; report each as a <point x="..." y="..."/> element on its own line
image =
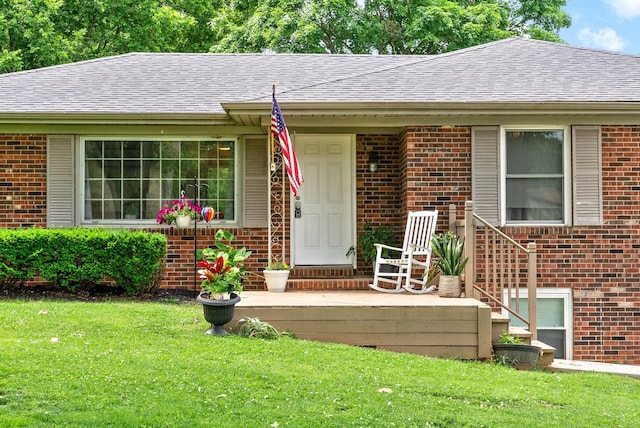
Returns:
<point x="420" y="324"/>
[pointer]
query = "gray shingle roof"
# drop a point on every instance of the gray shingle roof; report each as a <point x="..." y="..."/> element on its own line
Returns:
<point x="514" y="70"/>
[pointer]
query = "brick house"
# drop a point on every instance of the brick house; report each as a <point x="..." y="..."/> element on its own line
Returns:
<point x="542" y="137"/>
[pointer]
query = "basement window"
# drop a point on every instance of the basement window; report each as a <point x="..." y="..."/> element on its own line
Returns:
<point x="554" y="317"/>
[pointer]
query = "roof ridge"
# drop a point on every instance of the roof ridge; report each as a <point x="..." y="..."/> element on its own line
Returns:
<point x="351" y="76"/>
<point x="420" y="59"/>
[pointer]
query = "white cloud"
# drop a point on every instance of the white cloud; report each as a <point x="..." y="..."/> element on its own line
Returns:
<point x="628" y="9"/>
<point x="604" y="38"/>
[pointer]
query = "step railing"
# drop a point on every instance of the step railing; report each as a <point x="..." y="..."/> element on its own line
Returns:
<point x="499" y="268"/>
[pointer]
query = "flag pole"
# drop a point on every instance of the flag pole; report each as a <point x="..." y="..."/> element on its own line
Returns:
<point x="271" y="170"/>
<point x="273" y="144"/>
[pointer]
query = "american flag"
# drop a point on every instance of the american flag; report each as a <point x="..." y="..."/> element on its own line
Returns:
<point x="279" y="129"/>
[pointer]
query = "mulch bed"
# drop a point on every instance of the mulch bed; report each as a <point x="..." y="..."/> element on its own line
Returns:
<point x="100" y="293"/>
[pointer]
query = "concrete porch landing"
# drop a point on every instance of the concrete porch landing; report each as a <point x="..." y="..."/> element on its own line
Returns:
<point x="421" y="324"/>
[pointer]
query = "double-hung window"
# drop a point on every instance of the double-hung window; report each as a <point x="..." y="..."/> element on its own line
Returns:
<point x="128" y="179"/>
<point x="535" y="175"/>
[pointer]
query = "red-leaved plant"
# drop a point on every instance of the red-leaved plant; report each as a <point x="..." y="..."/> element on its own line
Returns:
<point x="222" y="267"/>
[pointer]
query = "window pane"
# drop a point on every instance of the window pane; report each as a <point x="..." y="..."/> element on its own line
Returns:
<point x="112" y="189"/>
<point x="132" y="209"/>
<point x="131" y="189"/>
<point x="131" y="168"/>
<point x="534" y="199"/>
<point x="151" y="169"/>
<point x="94" y="210"/>
<point x="189" y="149"/>
<point x="208" y="149"/>
<point x="189" y="169"/>
<point x="113" y="168"/>
<point x="112" y="210"/>
<point x="150" y="209"/>
<point x="170" y="169"/>
<point x="93" y="169"/>
<point x="534" y="152"/>
<point x="131" y="149"/>
<point x="170" y="189"/>
<point x="535" y="176"/>
<point x="93" y="149"/>
<point x="170" y="150"/>
<point x="113" y="150"/>
<point x="151" y="149"/>
<point x="555" y="338"/>
<point x="94" y="189"/>
<point x="151" y="189"/>
<point x="549" y="312"/>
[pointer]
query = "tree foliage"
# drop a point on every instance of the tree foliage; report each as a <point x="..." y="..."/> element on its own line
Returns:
<point x="381" y="26"/>
<point x="37" y="33"/>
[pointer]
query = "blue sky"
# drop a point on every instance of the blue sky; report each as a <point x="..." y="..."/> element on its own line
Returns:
<point x="604" y="24"/>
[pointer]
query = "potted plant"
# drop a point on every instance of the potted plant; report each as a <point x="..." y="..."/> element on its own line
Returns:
<point x="222" y="270"/>
<point x="368" y="237"/>
<point x="448" y="250"/>
<point x="179" y="211"/>
<point x="513" y="352"/>
<point x="276" y="274"/>
<point x="131" y="210"/>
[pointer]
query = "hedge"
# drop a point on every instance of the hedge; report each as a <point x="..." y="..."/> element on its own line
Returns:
<point x="83" y="258"/>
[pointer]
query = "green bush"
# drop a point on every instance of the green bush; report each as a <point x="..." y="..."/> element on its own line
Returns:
<point x="82" y="258"/>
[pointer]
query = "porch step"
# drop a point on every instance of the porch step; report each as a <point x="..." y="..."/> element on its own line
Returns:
<point x="337" y="277"/>
<point x="522" y="333"/>
<point x="548" y="353"/>
<point x="500" y="324"/>
<point x="331" y="283"/>
<point x="322" y="272"/>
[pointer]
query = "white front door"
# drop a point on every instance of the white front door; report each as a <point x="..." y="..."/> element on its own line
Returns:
<point x="323" y="228"/>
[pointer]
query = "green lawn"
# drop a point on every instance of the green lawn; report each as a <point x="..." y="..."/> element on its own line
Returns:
<point x="131" y="364"/>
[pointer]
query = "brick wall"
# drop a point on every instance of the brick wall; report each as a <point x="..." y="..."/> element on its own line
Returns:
<point x="23" y="183"/>
<point x="600" y="264"/>
<point x="180" y="269"/>
<point x="438" y="169"/>
<point x="378" y="194"/>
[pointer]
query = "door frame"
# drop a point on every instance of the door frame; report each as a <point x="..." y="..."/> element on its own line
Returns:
<point x="352" y="192"/>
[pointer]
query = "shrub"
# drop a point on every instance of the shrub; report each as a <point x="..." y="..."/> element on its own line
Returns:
<point x="82" y="258"/>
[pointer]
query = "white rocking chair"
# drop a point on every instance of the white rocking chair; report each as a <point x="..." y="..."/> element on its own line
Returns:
<point x="415" y="251"/>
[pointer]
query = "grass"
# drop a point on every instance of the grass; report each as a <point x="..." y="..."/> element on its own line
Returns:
<point x="131" y="364"/>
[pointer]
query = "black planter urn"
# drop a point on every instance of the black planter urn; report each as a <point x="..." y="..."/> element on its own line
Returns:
<point x="519" y="356"/>
<point x="218" y="312"/>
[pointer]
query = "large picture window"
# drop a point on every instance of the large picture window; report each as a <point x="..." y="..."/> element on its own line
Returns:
<point x="129" y="179"/>
<point x="535" y="175"/>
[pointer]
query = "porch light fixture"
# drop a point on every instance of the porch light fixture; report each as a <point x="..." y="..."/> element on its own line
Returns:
<point x="373" y="161"/>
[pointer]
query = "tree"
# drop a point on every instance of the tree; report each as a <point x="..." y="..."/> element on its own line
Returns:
<point x="37" y="33"/>
<point x="382" y="26"/>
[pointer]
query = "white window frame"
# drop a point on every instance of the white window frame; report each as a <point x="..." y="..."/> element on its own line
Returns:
<point x="80" y="179"/>
<point x="566" y="294"/>
<point x="567" y="174"/>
